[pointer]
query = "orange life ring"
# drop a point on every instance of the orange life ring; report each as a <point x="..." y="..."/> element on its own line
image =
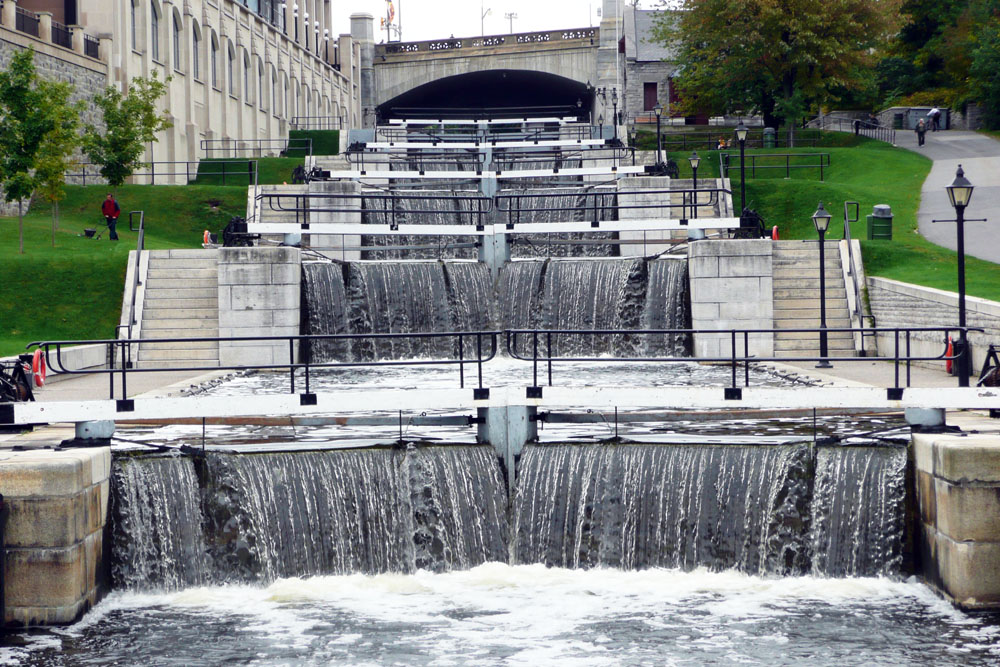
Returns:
<point x="950" y="352"/>
<point x="207" y="238"/>
<point x="38" y="368"/>
<point x="774" y="233"/>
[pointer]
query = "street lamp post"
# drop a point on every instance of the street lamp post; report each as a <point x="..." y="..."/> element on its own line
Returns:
<point x="326" y="44"/>
<point x="305" y="28"/>
<point x="658" y="110"/>
<point x="614" y="102"/>
<point x="694" y="161"/>
<point x="295" y="20"/>
<point x="600" y="122"/>
<point x="821" y="219"/>
<point x="741" y="136"/>
<point x="960" y="192"/>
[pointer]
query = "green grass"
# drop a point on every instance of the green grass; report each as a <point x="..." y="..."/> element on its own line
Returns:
<point x="270" y="171"/>
<point x="324" y="142"/>
<point x="74" y="291"/>
<point x="991" y="133"/>
<point x="704" y="139"/>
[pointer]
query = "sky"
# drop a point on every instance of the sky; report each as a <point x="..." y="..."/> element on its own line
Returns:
<point x="438" y="19"/>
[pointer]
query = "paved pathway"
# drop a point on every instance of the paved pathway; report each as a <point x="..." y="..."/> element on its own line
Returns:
<point x="979" y="156"/>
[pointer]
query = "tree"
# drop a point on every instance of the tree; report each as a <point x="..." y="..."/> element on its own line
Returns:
<point x="983" y="77"/>
<point x="773" y="57"/>
<point x="55" y="154"/>
<point x="130" y="122"/>
<point x="24" y="122"/>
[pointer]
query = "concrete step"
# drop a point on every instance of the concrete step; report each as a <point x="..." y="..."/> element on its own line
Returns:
<point x="183" y="283"/>
<point x="183" y="263"/>
<point x="180" y="348"/>
<point x="171" y="272"/>
<point x="782" y="273"/>
<point x="179" y="363"/>
<point x="805" y="322"/>
<point x="162" y="301"/>
<point x="171" y="313"/>
<point x="184" y="253"/>
<point x="811" y="293"/>
<point x="800" y="283"/>
<point x="794" y="304"/>
<point x="160" y="293"/>
<point x="149" y="332"/>
<point x="812" y="345"/>
<point x="211" y="354"/>
<point x="195" y="326"/>
<point x="844" y="337"/>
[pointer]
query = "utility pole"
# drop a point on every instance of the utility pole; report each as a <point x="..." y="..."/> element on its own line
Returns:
<point x="510" y="16"/>
<point x="482" y="18"/>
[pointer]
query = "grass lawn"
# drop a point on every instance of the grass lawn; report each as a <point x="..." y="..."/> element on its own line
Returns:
<point x="74" y="291"/>
<point x="222" y="171"/>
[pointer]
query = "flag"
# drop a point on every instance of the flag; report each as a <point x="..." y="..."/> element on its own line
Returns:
<point x="392" y="10"/>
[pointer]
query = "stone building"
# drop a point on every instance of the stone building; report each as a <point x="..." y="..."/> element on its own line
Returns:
<point x="239" y="71"/>
<point x="649" y="66"/>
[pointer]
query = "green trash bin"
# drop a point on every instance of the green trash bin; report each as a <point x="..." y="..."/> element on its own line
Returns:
<point x="769" y="137"/>
<point x="880" y="223"/>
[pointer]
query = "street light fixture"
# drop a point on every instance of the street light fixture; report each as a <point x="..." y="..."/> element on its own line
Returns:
<point x="960" y="192"/>
<point x="694" y="161"/>
<point x="741" y="136"/>
<point x="600" y="121"/>
<point x="658" y="110"/>
<point x="614" y="102"/>
<point x="326" y="44"/>
<point x="305" y="28"/>
<point x="821" y="219"/>
<point x="295" y="20"/>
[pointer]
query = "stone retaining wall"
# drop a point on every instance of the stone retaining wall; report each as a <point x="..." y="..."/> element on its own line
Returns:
<point x="898" y="304"/>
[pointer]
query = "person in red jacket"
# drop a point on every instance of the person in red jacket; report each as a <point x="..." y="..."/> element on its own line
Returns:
<point x="110" y="210"/>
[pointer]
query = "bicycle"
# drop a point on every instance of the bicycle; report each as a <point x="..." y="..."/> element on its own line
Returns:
<point x="15" y="380"/>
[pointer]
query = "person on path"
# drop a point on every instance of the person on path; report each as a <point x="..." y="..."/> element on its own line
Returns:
<point x="110" y="210"/>
<point x="921" y="130"/>
<point x="935" y="116"/>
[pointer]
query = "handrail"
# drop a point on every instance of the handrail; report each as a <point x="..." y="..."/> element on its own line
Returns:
<point x="734" y="359"/>
<point x="140" y="246"/>
<point x="317" y="122"/>
<point x="513" y="210"/>
<point x="725" y="160"/>
<point x="865" y="128"/>
<point x="461" y="338"/>
<point x="234" y="146"/>
<point x="302" y="203"/>
<point x="852" y="267"/>
<point x="487" y="135"/>
<point x="250" y="173"/>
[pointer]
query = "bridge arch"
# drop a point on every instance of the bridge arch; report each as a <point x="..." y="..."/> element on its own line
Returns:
<point x="492" y="89"/>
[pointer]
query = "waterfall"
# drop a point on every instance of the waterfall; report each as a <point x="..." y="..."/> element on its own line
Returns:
<point x="436" y="211"/>
<point x="667" y="307"/>
<point x="156" y="518"/>
<point x="387" y="297"/>
<point x="857" y="510"/>
<point x="562" y="204"/>
<point x="638" y="506"/>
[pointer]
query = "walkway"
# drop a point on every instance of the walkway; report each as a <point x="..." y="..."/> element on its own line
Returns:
<point x="979" y="156"/>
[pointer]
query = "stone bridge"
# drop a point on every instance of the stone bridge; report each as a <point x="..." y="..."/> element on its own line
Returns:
<point x="555" y="69"/>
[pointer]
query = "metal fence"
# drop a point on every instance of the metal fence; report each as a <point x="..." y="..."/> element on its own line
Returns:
<point x="26" y="22"/>
<point x="229" y="172"/>
<point x="247" y="148"/>
<point x="767" y="162"/>
<point x="317" y="123"/>
<point x="91" y="47"/>
<point x="61" y="35"/>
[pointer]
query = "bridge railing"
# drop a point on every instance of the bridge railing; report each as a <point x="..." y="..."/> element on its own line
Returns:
<point x="433" y="134"/>
<point x="591" y="36"/>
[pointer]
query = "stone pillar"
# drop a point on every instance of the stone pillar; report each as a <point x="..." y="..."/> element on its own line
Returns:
<point x="104" y="48"/>
<point x="607" y="59"/>
<point x="633" y="184"/>
<point x="259" y="295"/>
<point x="44" y="26"/>
<point x="8" y="14"/>
<point x="76" y="33"/>
<point x="362" y="31"/>
<point x="731" y="288"/>
<point x="333" y="244"/>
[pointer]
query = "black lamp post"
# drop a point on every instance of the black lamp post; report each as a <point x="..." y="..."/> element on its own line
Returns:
<point x="326" y="44"/>
<point x="295" y="20"/>
<point x="822" y="221"/>
<point x="694" y="160"/>
<point x="579" y="107"/>
<point x="741" y="136"/>
<point x="658" y="110"/>
<point x="614" y="102"/>
<point x="960" y="192"/>
<point x="600" y="122"/>
<point x="305" y="28"/>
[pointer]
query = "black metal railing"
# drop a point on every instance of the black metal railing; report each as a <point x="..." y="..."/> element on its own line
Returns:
<point x="239" y="172"/>
<point x="524" y="114"/>
<point x="130" y="319"/>
<point x="433" y="136"/>
<point x="317" y="123"/>
<point x="472" y="348"/>
<point x="861" y="127"/>
<point x="26" y="22"/>
<point x="91" y="47"/>
<point x="390" y="204"/>
<point x="542" y="342"/>
<point x="61" y="35"/>
<point x="247" y="148"/>
<point x="711" y="140"/>
<point x="851" y="214"/>
<point x="767" y="162"/>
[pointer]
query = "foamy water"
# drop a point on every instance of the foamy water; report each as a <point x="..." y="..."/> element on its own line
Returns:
<point x="520" y="615"/>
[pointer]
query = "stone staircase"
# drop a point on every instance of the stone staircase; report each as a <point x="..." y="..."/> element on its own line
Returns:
<point x="182" y="301"/>
<point x="795" y="266"/>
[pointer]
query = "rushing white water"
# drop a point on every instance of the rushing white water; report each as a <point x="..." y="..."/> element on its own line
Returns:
<point x="528" y="615"/>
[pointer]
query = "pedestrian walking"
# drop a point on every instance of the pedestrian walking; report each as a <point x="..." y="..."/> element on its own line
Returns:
<point x="921" y="130"/>
<point x="110" y="210"/>
<point x="935" y="118"/>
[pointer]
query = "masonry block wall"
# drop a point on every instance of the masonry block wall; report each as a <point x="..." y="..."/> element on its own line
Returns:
<point x="731" y="287"/>
<point x="259" y="295"/>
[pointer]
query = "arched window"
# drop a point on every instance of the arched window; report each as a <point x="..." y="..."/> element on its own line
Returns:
<point x="154" y="33"/>
<point x="261" y="98"/>
<point x="274" y="92"/>
<point x="135" y="24"/>
<point x="177" y="42"/>
<point x="195" y="52"/>
<point x="230" y="71"/>
<point x="215" y="61"/>
<point x="247" y="90"/>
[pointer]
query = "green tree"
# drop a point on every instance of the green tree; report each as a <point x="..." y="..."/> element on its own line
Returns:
<point x="130" y="121"/>
<point x="55" y="154"/>
<point x="24" y="122"/>
<point x="773" y="57"/>
<point x="983" y="77"/>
